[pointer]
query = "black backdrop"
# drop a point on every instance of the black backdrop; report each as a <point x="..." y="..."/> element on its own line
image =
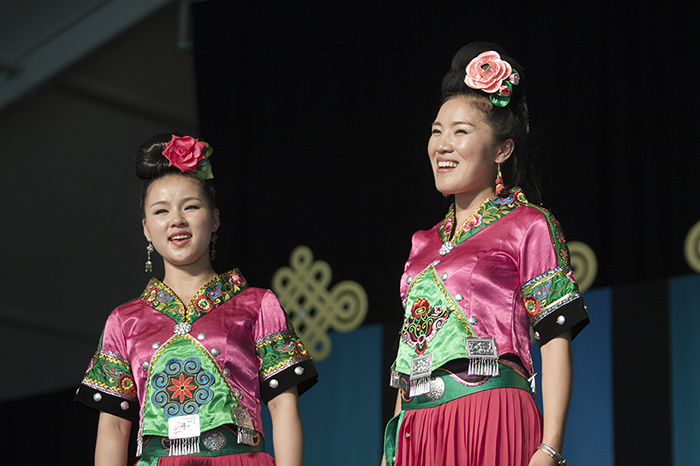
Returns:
<point x="319" y="113"/>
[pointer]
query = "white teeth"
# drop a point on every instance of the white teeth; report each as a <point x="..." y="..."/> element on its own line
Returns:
<point x="179" y="237"/>
<point x="447" y="164"/>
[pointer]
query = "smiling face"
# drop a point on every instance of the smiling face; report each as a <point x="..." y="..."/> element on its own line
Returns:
<point x="179" y="221"/>
<point x="462" y="150"/>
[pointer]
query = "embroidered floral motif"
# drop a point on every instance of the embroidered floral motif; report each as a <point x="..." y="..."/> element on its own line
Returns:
<point x="182" y="388"/>
<point x="219" y="290"/>
<point x="472" y="222"/>
<point x="548" y="292"/>
<point x="532" y="306"/>
<point x="491" y="210"/>
<point x="279" y="351"/>
<point x="203" y="304"/>
<point x="110" y="373"/>
<point x="236" y="278"/>
<point x="422" y="324"/>
<point x="446" y="227"/>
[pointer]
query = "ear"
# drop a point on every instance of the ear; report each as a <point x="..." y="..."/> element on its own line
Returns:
<point x="505" y="150"/>
<point x="145" y="230"/>
<point x="215" y="220"/>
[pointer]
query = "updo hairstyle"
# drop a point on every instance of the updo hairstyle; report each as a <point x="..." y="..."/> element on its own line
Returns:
<point x="152" y="165"/>
<point x="509" y="122"/>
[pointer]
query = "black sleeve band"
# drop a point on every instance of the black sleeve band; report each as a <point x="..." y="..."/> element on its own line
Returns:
<point x="111" y="404"/>
<point x="572" y="316"/>
<point x="303" y="375"/>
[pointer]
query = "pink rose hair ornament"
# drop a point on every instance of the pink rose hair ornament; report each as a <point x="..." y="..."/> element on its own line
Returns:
<point x="189" y="155"/>
<point x="489" y="73"/>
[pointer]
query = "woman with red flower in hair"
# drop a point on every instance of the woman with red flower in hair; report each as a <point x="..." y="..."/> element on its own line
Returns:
<point x="493" y="271"/>
<point x="189" y="362"/>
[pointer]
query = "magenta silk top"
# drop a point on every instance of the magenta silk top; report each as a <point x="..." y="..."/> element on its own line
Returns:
<point x="240" y="346"/>
<point x="505" y="270"/>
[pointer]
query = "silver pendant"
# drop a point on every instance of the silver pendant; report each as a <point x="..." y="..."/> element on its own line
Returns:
<point x="446" y="247"/>
<point x="421" y="368"/>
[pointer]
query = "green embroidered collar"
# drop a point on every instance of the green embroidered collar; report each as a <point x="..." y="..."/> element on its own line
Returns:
<point x="491" y="210"/>
<point x="216" y="292"/>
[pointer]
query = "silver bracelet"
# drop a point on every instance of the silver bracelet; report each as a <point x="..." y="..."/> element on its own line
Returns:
<point x="553" y="453"/>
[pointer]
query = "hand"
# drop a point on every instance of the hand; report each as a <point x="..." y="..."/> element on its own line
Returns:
<point x="541" y="458"/>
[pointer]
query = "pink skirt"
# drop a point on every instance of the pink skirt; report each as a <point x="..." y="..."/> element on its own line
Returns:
<point x="498" y="427"/>
<point x="239" y="459"/>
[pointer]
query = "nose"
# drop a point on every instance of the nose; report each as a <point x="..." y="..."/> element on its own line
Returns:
<point x="443" y="145"/>
<point x="177" y="219"/>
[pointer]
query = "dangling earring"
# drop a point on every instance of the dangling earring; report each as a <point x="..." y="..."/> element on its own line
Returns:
<point x="499" y="181"/>
<point x="212" y="250"/>
<point x="149" y="250"/>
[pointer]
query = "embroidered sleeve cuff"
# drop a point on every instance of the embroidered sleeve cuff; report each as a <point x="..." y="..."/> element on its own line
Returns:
<point x="111" y="404"/>
<point x="572" y="315"/>
<point x="303" y="375"/>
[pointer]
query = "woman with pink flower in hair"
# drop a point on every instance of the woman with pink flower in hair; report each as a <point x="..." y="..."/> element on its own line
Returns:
<point x="478" y="284"/>
<point x="189" y="363"/>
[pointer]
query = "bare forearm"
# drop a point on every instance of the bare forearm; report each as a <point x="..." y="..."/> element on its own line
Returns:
<point x="287" y="430"/>
<point x="557" y="380"/>
<point x="112" y="446"/>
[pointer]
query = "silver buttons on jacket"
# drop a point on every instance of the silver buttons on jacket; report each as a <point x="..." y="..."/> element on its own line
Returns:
<point x="144" y="366"/>
<point x="201" y="336"/>
<point x="298" y="370"/>
<point x="226" y="372"/>
<point x="274" y="383"/>
<point x="155" y="345"/>
<point x="561" y="320"/>
<point x="124" y="405"/>
<point x="443" y="276"/>
<point x="472" y="320"/>
<point x="458" y="297"/>
<point x="215" y="352"/>
<point x="97" y="397"/>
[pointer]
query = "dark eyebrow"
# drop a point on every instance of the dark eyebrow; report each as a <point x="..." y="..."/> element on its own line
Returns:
<point x="463" y="123"/>
<point x="187" y="199"/>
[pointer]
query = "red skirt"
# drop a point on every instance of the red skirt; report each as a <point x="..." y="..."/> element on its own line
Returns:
<point x="239" y="459"/>
<point x="498" y="427"/>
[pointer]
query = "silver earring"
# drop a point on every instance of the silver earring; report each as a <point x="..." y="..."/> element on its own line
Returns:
<point x="149" y="250"/>
<point x="212" y="250"/>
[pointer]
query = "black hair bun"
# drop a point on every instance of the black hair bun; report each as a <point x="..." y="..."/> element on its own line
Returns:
<point x="150" y="162"/>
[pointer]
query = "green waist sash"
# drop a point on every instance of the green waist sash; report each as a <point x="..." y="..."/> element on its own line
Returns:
<point x="453" y="390"/>
<point x="154" y="447"/>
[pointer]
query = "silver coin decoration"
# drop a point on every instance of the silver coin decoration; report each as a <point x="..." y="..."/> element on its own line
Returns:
<point x="124" y="405"/>
<point x="213" y="440"/>
<point x="437" y="389"/>
<point x="97" y="396"/>
<point x="274" y="383"/>
<point x="298" y="370"/>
